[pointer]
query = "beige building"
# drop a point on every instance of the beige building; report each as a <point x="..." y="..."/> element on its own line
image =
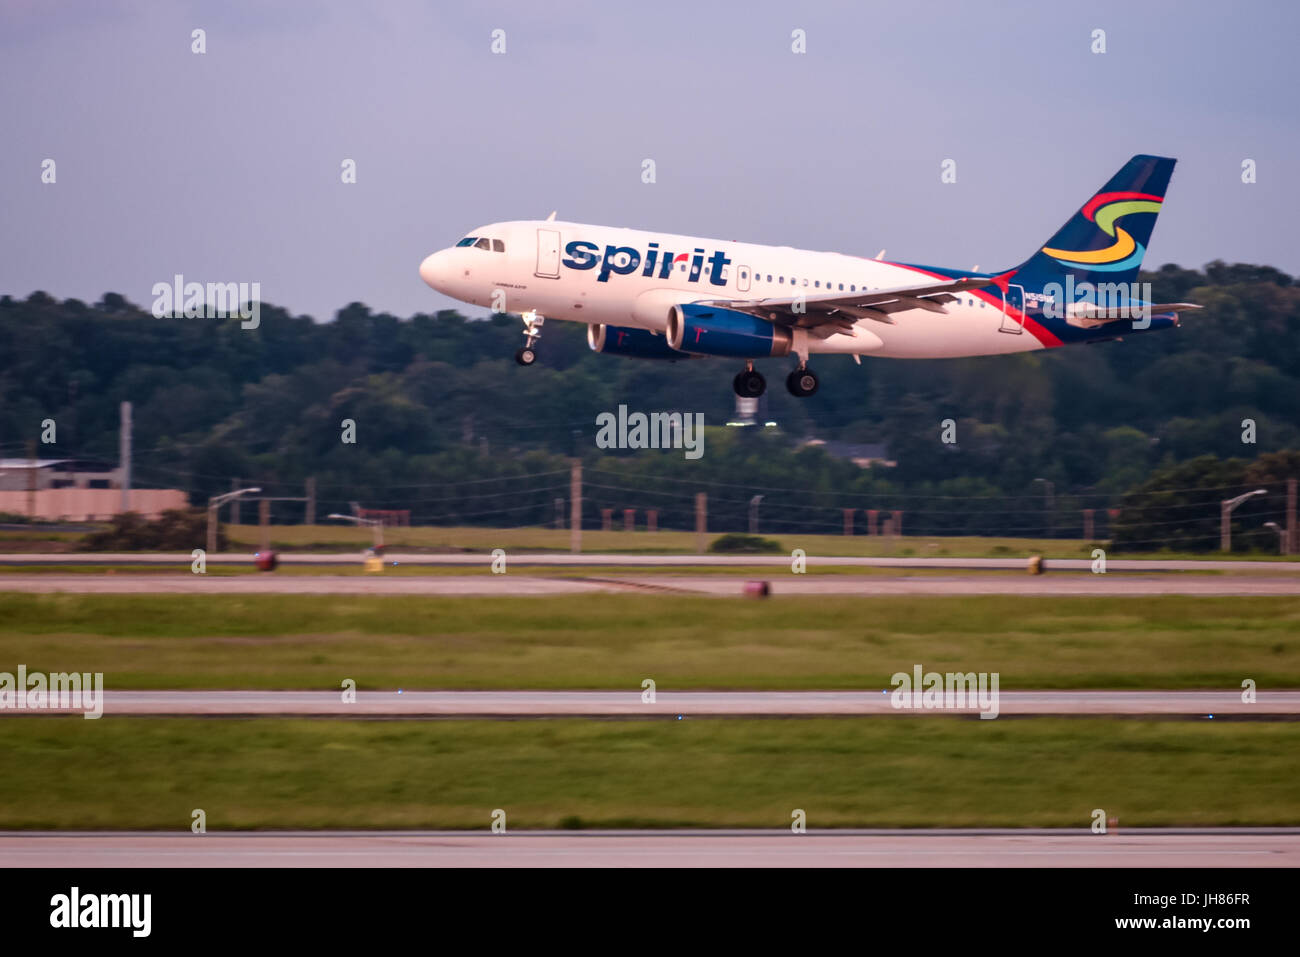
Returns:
<point x="16" y="474"/>
<point x="76" y="490"/>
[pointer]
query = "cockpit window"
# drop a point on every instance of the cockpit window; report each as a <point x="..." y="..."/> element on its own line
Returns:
<point x="483" y="242"/>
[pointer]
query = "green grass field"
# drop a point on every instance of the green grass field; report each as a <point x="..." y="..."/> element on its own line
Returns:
<point x="470" y="538"/>
<point x="478" y="539"/>
<point x="151" y="773"/>
<point x="615" y="641"/>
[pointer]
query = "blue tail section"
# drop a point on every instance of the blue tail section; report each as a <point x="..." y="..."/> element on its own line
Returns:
<point x="1068" y="291"/>
<point x="1105" y="240"/>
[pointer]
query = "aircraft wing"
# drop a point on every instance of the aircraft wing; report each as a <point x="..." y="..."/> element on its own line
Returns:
<point x="825" y="314"/>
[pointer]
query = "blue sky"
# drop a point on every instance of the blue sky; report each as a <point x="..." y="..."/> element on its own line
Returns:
<point x="226" y="166"/>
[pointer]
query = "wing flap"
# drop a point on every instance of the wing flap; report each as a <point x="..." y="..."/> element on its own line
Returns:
<point x="878" y="305"/>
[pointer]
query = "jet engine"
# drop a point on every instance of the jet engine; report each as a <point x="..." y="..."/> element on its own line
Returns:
<point x="628" y="341"/>
<point x="709" y="331"/>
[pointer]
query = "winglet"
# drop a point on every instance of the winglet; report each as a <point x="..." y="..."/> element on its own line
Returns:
<point x="881" y="254"/>
<point x="551" y="218"/>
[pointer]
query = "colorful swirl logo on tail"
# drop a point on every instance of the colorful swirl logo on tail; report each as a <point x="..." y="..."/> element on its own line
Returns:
<point x="1103" y="209"/>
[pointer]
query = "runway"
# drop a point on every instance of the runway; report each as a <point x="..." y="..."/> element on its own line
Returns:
<point x="1227" y="847"/>
<point x="714" y="585"/>
<point x="671" y="704"/>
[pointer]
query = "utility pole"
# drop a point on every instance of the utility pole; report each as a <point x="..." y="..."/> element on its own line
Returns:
<point x="31" y="478"/>
<point x="575" y="506"/>
<point x="235" y="485"/>
<point x="309" y="517"/>
<point x="753" y="514"/>
<point x="1292" y="541"/>
<point x="701" y="520"/>
<point x="264" y="521"/>
<point x="124" y="455"/>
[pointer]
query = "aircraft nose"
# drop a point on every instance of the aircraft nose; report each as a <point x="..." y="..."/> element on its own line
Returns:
<point x="435" y="270"/>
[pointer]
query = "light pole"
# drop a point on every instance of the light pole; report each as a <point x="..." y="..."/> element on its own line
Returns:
<point x="1225" y="517"/>
<point x="753" y="514"/>
<point x="215" y="503"/>
<point x="375" y="523"/>
<point x="1048" y="518"/>
<point x="1281" y="536"/>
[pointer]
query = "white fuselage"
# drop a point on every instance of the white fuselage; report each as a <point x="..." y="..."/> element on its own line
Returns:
<point x="603" y="274"/>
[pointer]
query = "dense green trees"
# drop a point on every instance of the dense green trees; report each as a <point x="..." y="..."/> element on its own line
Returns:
<point x="450" y="427"/>
<point x="1178" y="507"/>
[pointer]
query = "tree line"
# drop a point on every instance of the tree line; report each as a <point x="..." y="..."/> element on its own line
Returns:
<point x="447" y="425"/>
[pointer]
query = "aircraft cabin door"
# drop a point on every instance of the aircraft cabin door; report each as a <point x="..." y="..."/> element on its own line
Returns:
<point x="548" y="253"/>
<point x="1013" y="310"/>
<point x="742" y="279"/>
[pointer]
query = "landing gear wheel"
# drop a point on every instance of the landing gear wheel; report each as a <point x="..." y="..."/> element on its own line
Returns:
<point x="532" y="332"/>
<point x="749" y="384"/>
<point x="802" y="382"/>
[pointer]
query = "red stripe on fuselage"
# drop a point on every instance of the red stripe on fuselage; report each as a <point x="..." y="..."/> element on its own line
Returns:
<point x="1037" y="331"/>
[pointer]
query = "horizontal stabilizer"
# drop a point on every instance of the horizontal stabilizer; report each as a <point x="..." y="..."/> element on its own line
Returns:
<point x="1087" y="315"/>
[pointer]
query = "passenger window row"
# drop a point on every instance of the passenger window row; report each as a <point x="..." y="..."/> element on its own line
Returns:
<point x="817" y="283"/>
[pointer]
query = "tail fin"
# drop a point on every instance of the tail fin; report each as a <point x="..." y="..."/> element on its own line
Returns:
<point x="1093" y="246"/>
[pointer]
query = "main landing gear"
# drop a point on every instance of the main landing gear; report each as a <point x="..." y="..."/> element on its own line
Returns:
<point x="749" y="384"/>
<point x="802" y="382"/>
<point x="532" y="332"/>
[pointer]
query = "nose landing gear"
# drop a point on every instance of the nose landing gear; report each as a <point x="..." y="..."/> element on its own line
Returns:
<point x="532" y="332"/>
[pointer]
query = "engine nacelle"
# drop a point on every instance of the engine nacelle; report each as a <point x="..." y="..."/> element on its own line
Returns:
<point x="627" y="341"/>
<point x="709" y="331"/>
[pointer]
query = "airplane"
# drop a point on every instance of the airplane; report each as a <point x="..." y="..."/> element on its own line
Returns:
<point x="655" y="295"/>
